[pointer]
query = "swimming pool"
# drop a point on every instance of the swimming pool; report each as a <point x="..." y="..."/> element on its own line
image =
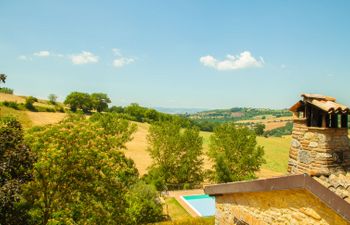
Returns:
<point x="203" y="205"/>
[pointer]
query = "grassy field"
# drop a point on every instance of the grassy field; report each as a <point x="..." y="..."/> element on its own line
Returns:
<point x="191" y="221"/>
<point x="175" y="210"/>
<point x="270" y="122"/>
<point x="21" y="116"/>
<point x="276" y="152"/>
<point x="29" y="119"/>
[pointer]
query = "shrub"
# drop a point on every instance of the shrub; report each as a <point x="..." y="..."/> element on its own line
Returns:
<point x="6" y="90"/>
<point x="29" y="103"/>
<point x="11" y="104"/>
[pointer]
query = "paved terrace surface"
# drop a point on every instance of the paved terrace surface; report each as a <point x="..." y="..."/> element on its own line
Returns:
<point x="177" y="195"/>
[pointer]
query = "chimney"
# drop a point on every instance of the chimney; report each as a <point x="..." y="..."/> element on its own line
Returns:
<point x="320" y="143"/>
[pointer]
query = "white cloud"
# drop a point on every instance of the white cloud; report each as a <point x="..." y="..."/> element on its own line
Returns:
<point x="84" y="58"/>
<point x="241" y="61"/>
<point x="117" y="51"/>
<point x="42" y="53"/>
<point x="122" y="61"/>
<point x="23" y="57"/>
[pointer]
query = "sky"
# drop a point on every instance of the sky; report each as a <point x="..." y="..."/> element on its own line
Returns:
<point x="190" y="54"/>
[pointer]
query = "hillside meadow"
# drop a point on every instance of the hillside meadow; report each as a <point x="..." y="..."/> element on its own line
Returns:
<point x="276" y="152"/>
<point x="276" y="148"/>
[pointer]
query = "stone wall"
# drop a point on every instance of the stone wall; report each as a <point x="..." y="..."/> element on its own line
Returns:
<point x="318" y="151"/>
<point x="277" y="207"/>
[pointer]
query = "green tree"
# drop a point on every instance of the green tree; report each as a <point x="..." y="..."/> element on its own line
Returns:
<point x="16" y="160"/>
<point x="52" y="99"/>
<point x="259" y="129"/>
<point x="79" y="100"/>
<point x="176" y="154"/>
<point x="116" y="109"/>
<point x="100" y="101"/>
<point x="136" y="111"/>
<point x="144" y="205"/>
<point x="29" y="103"/>
<point x="81" y="176"/>
<point x="235" y="153"/>
<point x="2" y="78"/>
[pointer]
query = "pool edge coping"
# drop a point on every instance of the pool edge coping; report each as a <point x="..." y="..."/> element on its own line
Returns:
<point x="189" y="205"/>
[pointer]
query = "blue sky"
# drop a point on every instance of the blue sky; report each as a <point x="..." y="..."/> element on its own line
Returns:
<point x="207" y="54"/>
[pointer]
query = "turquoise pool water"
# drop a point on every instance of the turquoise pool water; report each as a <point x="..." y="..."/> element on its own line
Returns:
<point x="203" y="205"/>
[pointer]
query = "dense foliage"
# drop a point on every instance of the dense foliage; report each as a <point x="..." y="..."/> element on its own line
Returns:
<point x="259" y="129"/>
<point x="29" y="103"/>
<point x="16" y="161"/>
<point x="143" y="204"/>
<point x="81" y="176"/>
<point x="86" y="102"/>
<point x="6" y="90"/>
<point x="176" y="154"/>
<point x="235" y="153"/>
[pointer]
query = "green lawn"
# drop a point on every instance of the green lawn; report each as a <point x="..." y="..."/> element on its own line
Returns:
<point x="175" y="210"/>
<point x="276" y="151"/>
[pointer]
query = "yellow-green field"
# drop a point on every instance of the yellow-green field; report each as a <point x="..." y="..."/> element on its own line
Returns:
<point x="276" y="149"/>
<point x="29" y="119"/>
<point x="175" y="210"/>
<point x="276" y="152"/>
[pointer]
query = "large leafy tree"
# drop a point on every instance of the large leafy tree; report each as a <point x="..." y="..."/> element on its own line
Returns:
<point x="81" y="176"/>
<point x="16" y="160"/>
<point x="79" y="100"/>
<point x="235" y="153"/>
<point x="100" y="101"/>
<point x="177" y="155"/>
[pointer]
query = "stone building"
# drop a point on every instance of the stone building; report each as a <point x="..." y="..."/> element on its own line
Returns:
<point x="317" y="188"/>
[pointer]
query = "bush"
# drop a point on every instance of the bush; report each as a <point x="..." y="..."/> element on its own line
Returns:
<point x="29" y="103"/>
<point x="10" y="104"/>
<point x="144" y="205"/>
<point x="6" y="90"/>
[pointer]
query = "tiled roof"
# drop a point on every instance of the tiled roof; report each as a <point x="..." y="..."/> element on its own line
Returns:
<point x="329" y="106"/>
<point x="325" y="103"/>
<point x="319" y="97"/>
<point x="339" y="184"/>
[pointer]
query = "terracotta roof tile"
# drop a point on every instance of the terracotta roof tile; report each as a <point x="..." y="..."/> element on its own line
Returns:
<point x="337" y="183"/>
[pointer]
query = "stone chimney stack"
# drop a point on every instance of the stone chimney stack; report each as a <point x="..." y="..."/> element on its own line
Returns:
<point x="320" y="143"/>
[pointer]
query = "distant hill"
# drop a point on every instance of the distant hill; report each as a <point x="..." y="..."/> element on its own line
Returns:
<point x="179" y="110"/>
<point x="238" y="113"/>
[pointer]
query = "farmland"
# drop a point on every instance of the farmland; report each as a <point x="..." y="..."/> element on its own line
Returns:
<point x="276" y="152"/>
